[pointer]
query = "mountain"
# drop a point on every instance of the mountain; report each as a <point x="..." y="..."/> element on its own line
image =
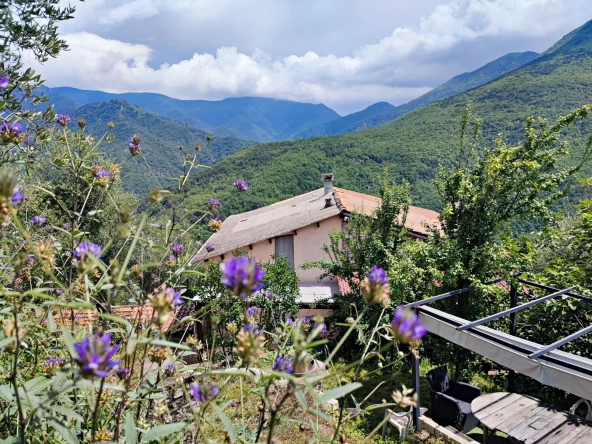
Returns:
<point x="347" y="124"/>
<point x="459" y="84"/>
<point x="161" y="139"/>
<point x="251" y="118"/>
<point x="413" y="146"/>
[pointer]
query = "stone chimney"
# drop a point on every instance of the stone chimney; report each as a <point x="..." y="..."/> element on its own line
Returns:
<point x="328" y="181"/>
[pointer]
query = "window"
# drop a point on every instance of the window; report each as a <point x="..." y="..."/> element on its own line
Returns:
<point x="284" y="246"/>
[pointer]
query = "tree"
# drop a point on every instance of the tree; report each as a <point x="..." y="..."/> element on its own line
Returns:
<point x="27" y="26"/>
<point x="485" y="193"/>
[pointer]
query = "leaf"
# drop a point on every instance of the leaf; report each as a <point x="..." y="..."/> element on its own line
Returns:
<point x="339" y="392"/>
<point x="131" y="435"/>
<point x="161" y="431"/>
<point x="6" y="393"/>
<point x="68" y="339"/>
<point x="6" y="341"/>
<point x="36" y="385"/>
<point x="63" y="430"/>
<point x="320" y="414"/>
<point x="164" y="343"/>
<point x="68" y="413"/>
<point x="44" y="190"/>
<point x="225" y="421"/>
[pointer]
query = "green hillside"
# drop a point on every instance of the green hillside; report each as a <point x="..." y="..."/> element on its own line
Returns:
<point x="251" y="118"/>
<point x="161" y="139"/>
<point x="370" y="118"/>
<point x="412" y="146"/>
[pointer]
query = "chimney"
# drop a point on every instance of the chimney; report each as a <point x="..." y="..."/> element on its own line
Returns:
<point x="328" y="181"/>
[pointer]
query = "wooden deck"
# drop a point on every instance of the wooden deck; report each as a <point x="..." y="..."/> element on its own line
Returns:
<point x="528" y="420"/>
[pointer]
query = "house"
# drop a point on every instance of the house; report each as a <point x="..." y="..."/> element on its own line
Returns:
<point x="297" y="228"/>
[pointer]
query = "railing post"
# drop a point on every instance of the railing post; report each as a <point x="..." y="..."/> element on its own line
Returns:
<point x="513" y="303"/>
<point x="416" y="387"/>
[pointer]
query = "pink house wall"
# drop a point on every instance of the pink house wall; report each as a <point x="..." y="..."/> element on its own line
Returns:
<point x="308" y="247"/>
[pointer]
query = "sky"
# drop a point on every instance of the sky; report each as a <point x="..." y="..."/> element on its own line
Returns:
<point x="347" y="54"/>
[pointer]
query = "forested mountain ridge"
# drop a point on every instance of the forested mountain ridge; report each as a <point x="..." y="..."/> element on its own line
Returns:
<point x="412" y="146"/>
<point x="161" y="139"/>
<point x="369" y="118"/>
<point x="250" y="118"/>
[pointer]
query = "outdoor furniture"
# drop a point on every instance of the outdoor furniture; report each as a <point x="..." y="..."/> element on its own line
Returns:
<point x="573" y="408"/>
<point x="451" y="400"/>
<point x="403" y="421"/>
<point x="528" y="420"/>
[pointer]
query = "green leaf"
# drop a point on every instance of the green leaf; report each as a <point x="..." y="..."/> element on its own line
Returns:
<point x="131" y="435"/>
<point x="161" y="431"/>
<point x="68" y="339"/>
<point x="339" y="392"/>
<point x="68" y="413"/>
<point x="225" y="421"/>
<point x="164" y="343"/>
<point x="63" y="430"/>
<point x="320" y="414"/>
<point x="36" y="385"/>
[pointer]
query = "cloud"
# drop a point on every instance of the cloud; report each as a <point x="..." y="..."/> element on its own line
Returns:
<point x="397" y="68"/>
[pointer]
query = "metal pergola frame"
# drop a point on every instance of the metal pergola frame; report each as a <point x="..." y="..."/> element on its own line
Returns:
<point x="514" y="308"/>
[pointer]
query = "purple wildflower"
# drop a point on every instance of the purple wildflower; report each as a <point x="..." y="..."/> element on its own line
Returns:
<point x="94" y="355"/>
<point x="375" y="286"/>
<point x="16" y="197"/>
<point x="11" y="132"/>
<point x="170" y="369"/>
<point x="66" y="226"/>
<point x="252" y="311"/>
<point x="233" y="404"/>
<point x="134" y="145"/>
<point x="377" y="276"/>
<point x="242" y="276"/>
<point x="17" y="284"/>
<point x="102" y="175"/>
<point x="323" y="328"/>
<point x="213" y="204"/>
<point x="241" y="185"/>
<point x="30" y="260"/>
<point x="164" y="300"/>
<point x="406" y="326"/>
<point x="252" y="328"/>
<point x="62" y="119"/>
<point x="291" y="322"/>
<point x="52" y="364"/>
<point x="3" y="81"/>
<point x="38" y="221"/>
<point x="283" y="365"/>
<point x="122" y="372"/>
<point x="205" y="392"/>
<point x="210" y="247"/>
<point x="177" y="249"/>
<point x="80" y="254"/>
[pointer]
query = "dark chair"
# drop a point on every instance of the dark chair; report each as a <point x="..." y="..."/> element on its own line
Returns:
<point x="451" y="400"/>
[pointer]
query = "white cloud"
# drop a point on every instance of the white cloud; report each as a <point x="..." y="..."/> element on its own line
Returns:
<point x="396" y="69"/>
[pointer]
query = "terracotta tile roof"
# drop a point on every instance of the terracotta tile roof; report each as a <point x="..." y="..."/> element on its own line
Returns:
<point x="417" y="217"/>
<point x="241" y="230"/>
<point x="134" y="313"/>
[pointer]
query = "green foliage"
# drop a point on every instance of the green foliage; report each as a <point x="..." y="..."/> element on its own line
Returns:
<point x="161" y="163"/>
<point x="27" y="26"/>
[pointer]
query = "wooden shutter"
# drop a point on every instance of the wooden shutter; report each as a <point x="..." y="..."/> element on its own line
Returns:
<point x="284" y="246"/>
